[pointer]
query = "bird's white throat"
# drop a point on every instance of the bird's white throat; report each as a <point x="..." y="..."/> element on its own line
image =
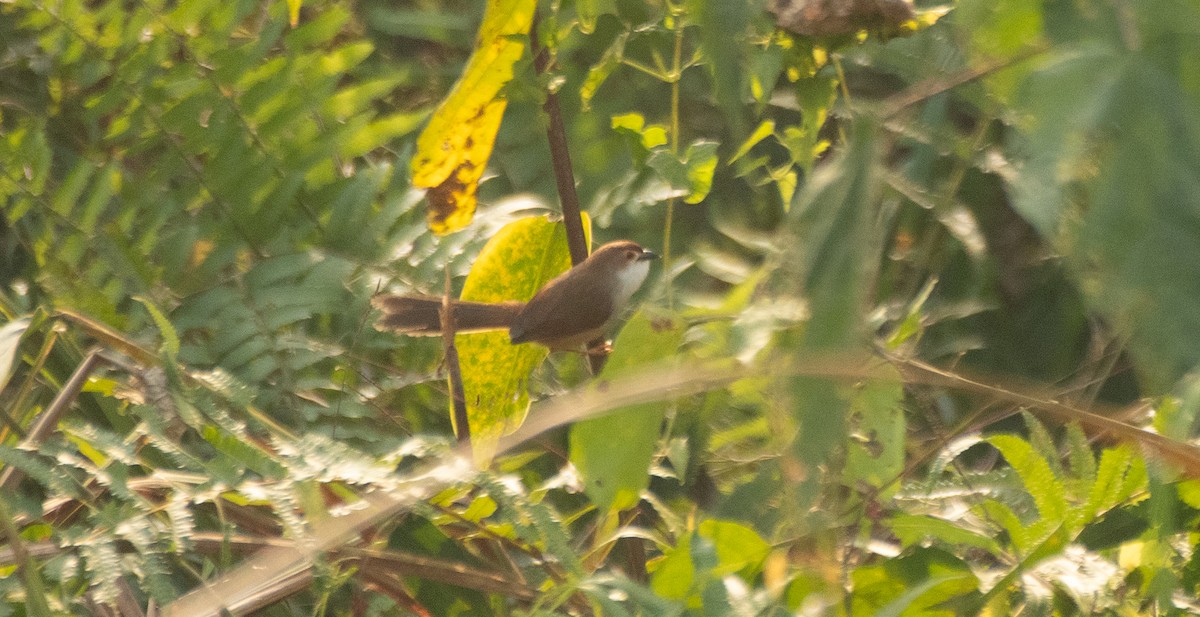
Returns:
<point x="629" y="279"/>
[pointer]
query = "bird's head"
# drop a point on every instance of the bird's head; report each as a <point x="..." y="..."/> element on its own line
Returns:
<point x="627" y="262"/>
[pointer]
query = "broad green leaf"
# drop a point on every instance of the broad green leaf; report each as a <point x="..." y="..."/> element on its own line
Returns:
<point x="672" y="576"/>
<point x="691" y="175"/>
<point x="613" y="452"/>
<point x="999" y="29"/>
<point x="875" y="454"/>
<point x="642" y="139"/>
<point x="454" y="148"/>
<point x="925" y="581"/>
<point x="513" y="265"/>
<point x="830" y="254"/>
<point x="1047" y="492"/>
<point x="723" y="28"/>
<point x="738" y="547"/>
<point x="1114" y="142"/>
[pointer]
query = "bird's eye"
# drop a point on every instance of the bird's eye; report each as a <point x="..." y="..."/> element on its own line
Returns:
<point x="630" y="255"/>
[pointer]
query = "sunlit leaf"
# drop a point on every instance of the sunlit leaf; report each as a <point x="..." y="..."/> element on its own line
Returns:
<point x="1035" y="472"/>
<point x="294" y="11"/>
<point x="701" y="163"/>
<point x="454" y="148"/>
<point x="764" y="130"/>
<point x="588" y="11"/>
<point x="170" y="337"/>
<point x="739" y="548"/>
<point x="514" y="264"/>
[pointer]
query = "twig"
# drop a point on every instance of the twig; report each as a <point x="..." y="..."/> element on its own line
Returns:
<point x="560" y="154"/>
<point x="929" y="88"/>
<point x="564" y="177"/>
<point x="46" y="422"/>
<point x="458" y="396"/>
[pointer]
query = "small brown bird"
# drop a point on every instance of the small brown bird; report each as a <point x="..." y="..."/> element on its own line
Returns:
<point x="568" y="312"/>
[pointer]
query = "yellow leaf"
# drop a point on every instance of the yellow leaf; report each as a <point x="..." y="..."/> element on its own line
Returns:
<point x="453" y="150"/>
<point x="515" y="263"/>
<point x="293" y="7"/>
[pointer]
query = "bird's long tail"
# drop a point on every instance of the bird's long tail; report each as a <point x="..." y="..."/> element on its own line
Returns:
<point x="420" y="315"/>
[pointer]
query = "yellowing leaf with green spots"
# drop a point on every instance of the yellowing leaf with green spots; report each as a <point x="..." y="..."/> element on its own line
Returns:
<point x="513" y="265"/>
<point x="454" y="148"/>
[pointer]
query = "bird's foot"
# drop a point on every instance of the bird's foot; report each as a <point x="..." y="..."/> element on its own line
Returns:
<point x="602" y="348"/>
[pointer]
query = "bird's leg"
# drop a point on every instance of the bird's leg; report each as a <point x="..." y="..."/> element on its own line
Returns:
<point x="600" y="349"/>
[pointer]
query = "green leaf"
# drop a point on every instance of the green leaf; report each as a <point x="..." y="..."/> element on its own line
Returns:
<point x="642" y="139"/>
<point x="739" y="548"/>
<point x="701" y="163"/>
<point x="672" y="576"/>
<point x="925" y="581"/>
<point x="914" y="530"/>
<point x="322" y="28"/>
<point x="293" y="7"/>
<point x="513" y="265"/>
<point x="875" y="455"/>
<point x="613" y="452"/>
<point x="830" y="256"/>
<point x="1035" y="472"/>
<point x="815" y="96"/>
<point x="380" y="133"/>
<point x="170" y="344"/>
<point x="1110" y="489"/>
<point x="1113" y="141"/>
<point x="600" y="72"/>
<point x="692" y="175"/>
<point x="587" y="11"/>
<point x="723" y="28"/>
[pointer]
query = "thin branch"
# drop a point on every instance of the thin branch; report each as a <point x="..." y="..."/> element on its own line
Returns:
<point x="564" y="177"/>
<point x="938" y="85"/>
<point x="458" y="396"/>
<point x="48" y="421"/>
<point x="560" y="154"/>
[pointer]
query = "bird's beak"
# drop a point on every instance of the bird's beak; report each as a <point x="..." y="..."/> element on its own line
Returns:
<point x="647" y="255"/>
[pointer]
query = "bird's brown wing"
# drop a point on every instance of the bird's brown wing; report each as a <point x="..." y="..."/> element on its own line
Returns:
<point x="565" y="313"/>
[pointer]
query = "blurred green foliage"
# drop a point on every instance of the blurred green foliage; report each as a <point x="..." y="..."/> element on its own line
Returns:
<point x="210" y="196"/>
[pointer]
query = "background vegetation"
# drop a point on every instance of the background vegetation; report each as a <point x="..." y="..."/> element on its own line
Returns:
<point x="923" y="342"/>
